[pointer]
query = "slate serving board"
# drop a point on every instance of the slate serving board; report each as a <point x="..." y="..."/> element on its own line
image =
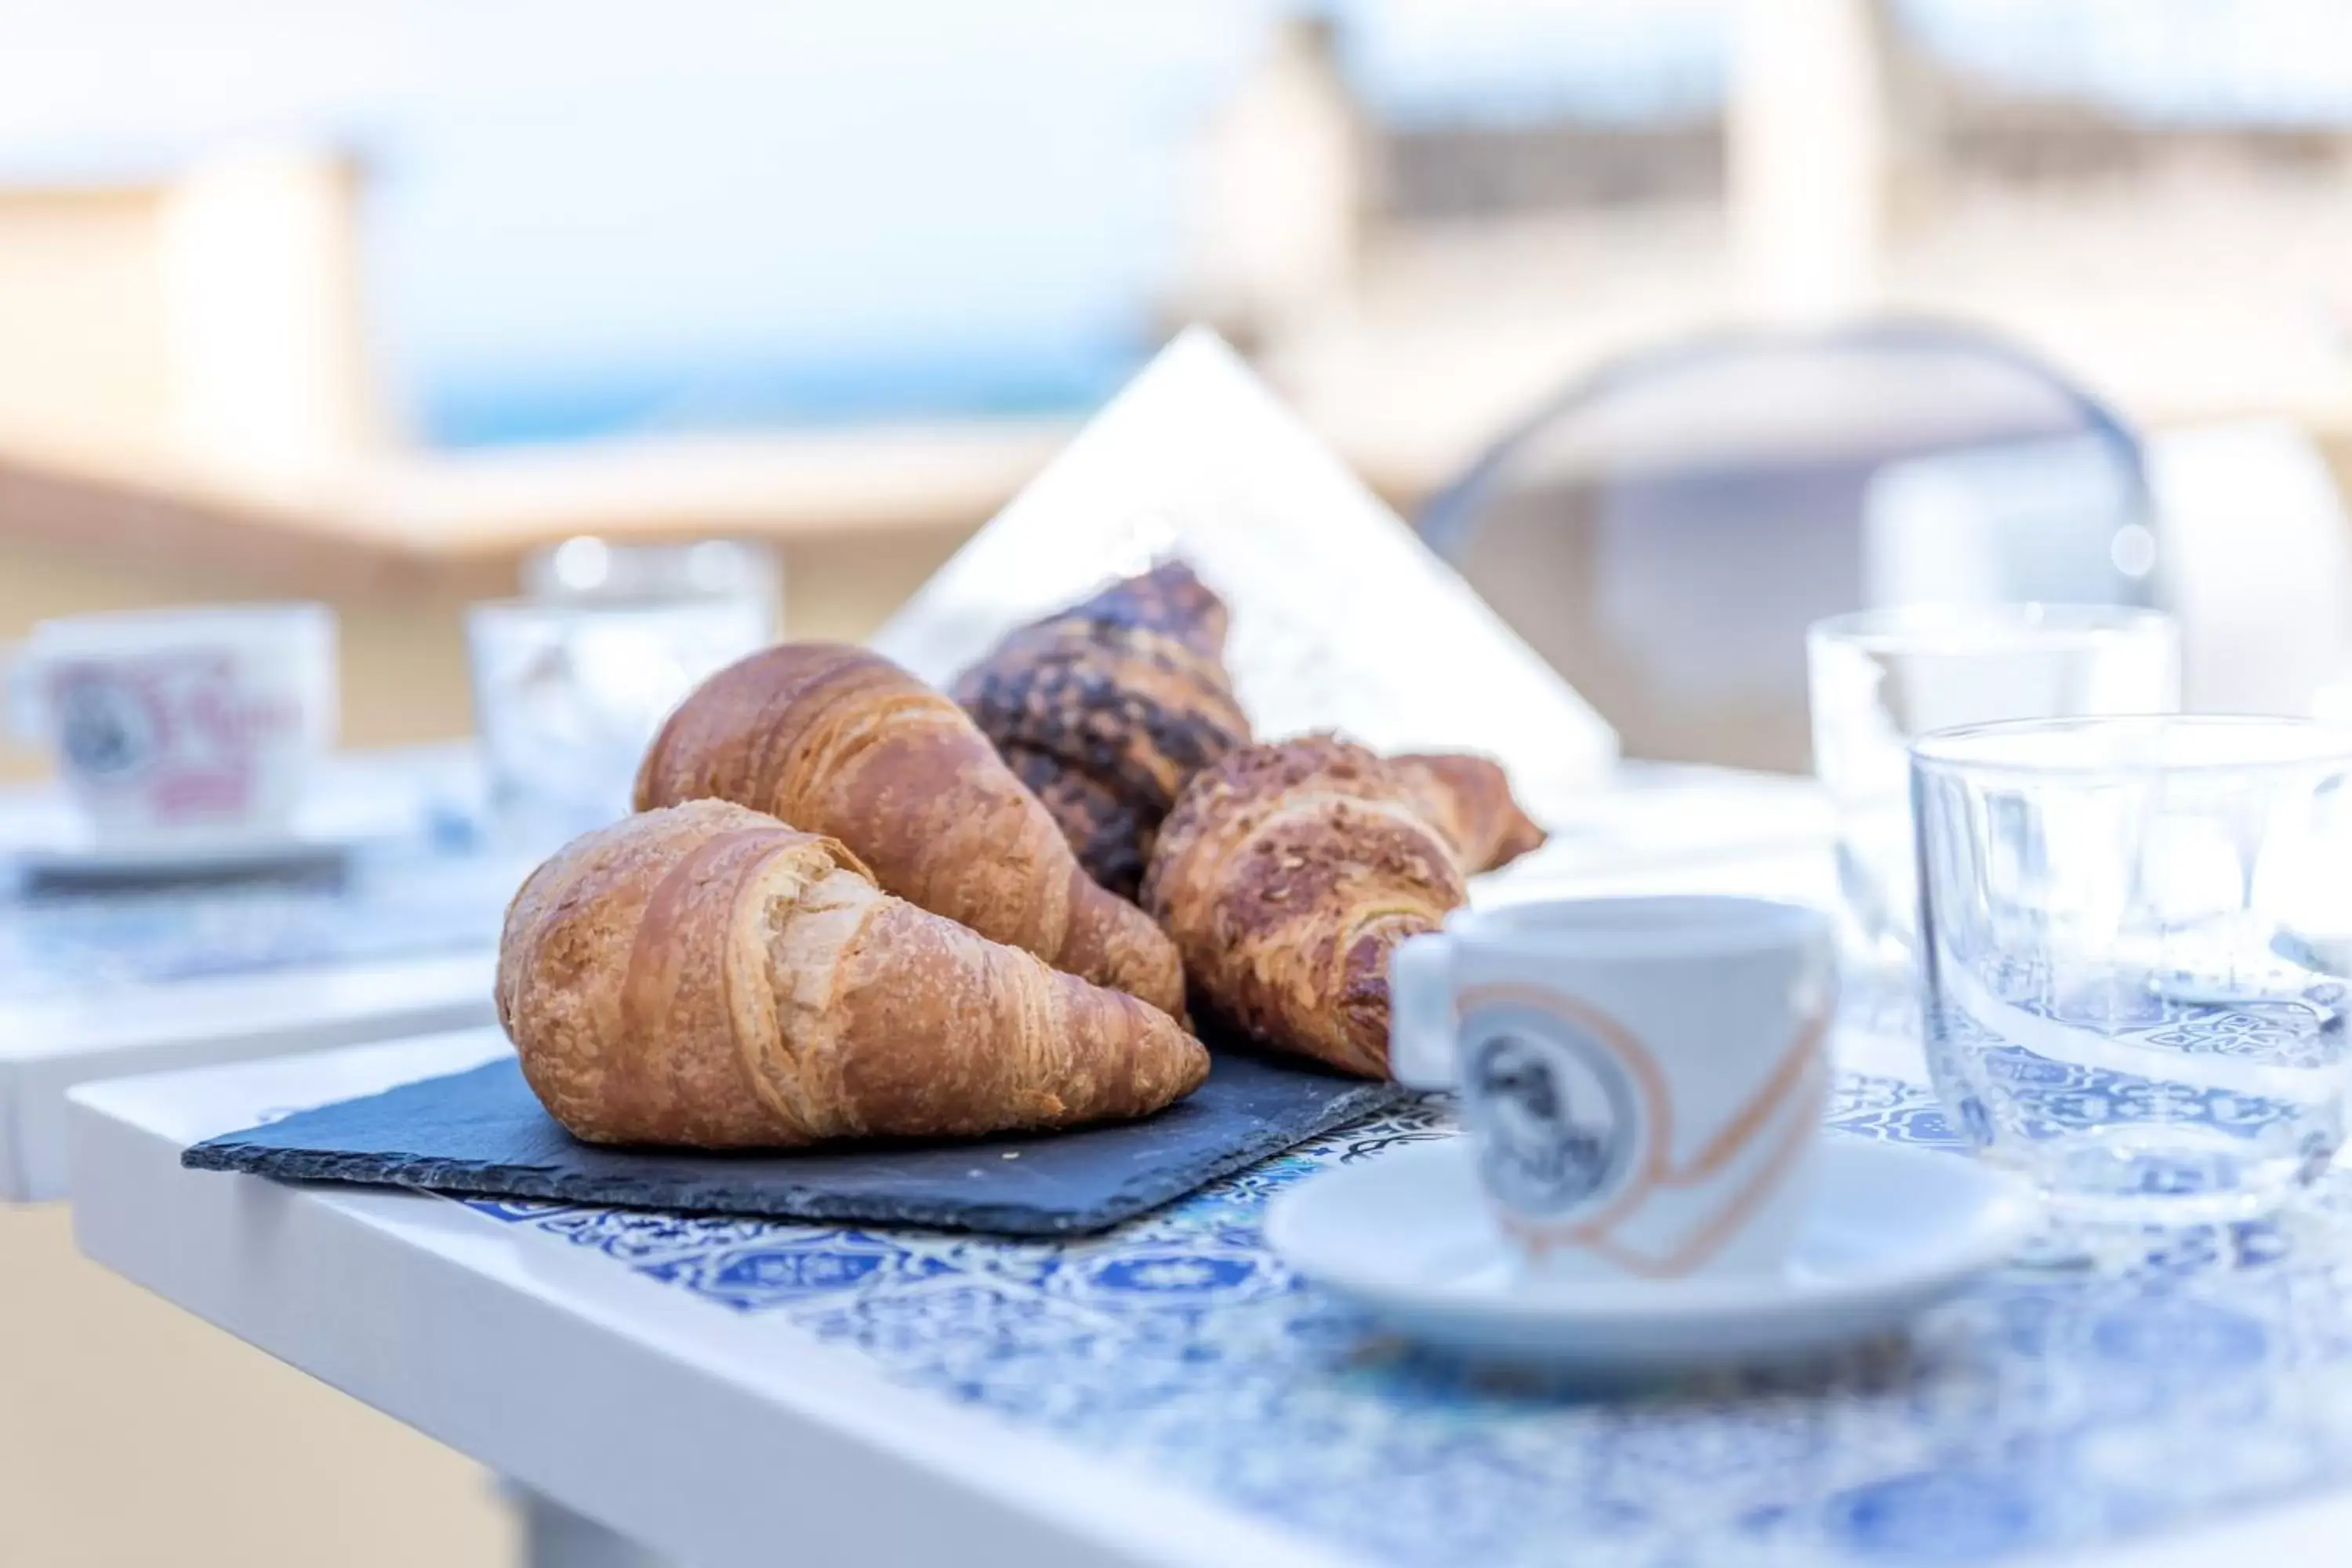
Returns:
<point x="481" y="1134"/>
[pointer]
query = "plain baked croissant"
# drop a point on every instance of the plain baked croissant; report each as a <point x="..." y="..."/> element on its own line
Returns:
<point x="704" y="976"/>
<point x="1469" y="799"/>
<point x="1287" y="873"/>
<point x="837" y="741"/>
<point x="1106" y="708"/>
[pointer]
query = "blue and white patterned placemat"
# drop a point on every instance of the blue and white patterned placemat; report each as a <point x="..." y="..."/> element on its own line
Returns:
<point x="395" y="901"/>
<point x="2038" y="1410"/>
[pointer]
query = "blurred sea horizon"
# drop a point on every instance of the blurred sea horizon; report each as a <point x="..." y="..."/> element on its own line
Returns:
<point x="1011" y="378"/>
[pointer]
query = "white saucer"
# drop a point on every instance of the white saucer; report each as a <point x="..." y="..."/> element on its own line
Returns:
<point x="1407" y="1238"/>
<point x="87" y="860"/>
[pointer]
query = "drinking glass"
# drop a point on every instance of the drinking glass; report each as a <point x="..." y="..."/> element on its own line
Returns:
<point x="1882" y="677"/>
<point x="585" y="568"/>
<point x="2133" y="956"/>
<point x="567" y="695"/>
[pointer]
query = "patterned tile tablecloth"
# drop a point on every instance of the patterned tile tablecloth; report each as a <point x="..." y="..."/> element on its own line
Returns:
<point x="394" y="901"/>
<point x="2038" y="1410"/>
<point x="422" y="874"/>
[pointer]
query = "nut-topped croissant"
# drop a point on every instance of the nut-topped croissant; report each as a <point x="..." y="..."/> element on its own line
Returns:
<point x="1287" y="873"/>
<point x="1106" y="708"/>
<point x="834" y="740"/>
<point x="704" y="976"/>
<point x="1469" y="799"/>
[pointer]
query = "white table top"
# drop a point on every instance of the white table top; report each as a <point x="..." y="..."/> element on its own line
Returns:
<point x="241" y="981"/>
<point x="48" y="1045"/>
<point x="659" y="1413"/>
<point x="727" y="1392"/>
<point x="1166" y="1394"/>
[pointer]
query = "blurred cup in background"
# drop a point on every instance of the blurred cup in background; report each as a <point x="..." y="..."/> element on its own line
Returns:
<point x="567" y="695"/>
<point x="182" y="728"/>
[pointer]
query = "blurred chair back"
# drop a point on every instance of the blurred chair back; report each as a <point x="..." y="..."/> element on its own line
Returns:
<point x="1665" y="529"/>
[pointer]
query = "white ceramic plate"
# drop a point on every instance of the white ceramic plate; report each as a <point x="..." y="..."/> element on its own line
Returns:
<point x="1407" y="1238"/>
<point x="106" y="862"/>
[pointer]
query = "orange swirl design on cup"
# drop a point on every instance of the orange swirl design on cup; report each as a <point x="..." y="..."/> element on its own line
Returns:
<point x="1798" y="1072"/>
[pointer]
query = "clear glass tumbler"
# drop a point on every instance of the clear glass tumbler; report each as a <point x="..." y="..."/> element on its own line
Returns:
<point x="586" y="569"/>
<point x="2133" y="956"/>
<point x="1882" y="677"/>
<point x="567" y="695"/>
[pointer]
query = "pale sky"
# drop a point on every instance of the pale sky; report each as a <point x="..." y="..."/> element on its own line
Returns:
<point x="567" y="181"/>
<point x="571" y="185"/>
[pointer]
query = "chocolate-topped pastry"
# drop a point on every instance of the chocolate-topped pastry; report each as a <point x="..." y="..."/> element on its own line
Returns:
<point x="1106" y="711"/>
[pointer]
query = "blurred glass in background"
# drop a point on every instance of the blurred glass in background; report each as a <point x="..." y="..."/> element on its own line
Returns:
<point x="1882" y="678"/>
<point x="586" y="569"/>
<point x="569" y="691"/>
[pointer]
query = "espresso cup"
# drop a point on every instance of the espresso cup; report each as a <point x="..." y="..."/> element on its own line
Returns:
<point x="1642" y="1080"/>
<point x="182" y="727"/>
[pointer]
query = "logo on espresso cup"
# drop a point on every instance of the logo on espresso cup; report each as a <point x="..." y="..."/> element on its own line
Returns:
<point x="189" y="730"/>
<point x="1558" y="1122"/>
<point x="1574" y="1117"/>
<point x="105" y="729"/>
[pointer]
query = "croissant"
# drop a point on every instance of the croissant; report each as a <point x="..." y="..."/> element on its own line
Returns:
<point x="1107" y="708"/>
<point x="1469" y="799"/>
<point x="1286" y="873"/>
<point x="704" y="976"/>
<point x="838" y="740"/>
